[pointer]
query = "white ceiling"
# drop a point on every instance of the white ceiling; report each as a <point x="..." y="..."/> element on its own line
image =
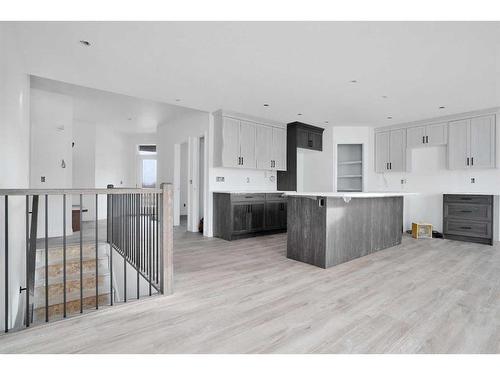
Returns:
<point x="120" y="112"/>
<point x="295" y="67"/>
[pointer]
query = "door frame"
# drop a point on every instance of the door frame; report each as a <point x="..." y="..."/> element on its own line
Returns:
<point x="193" y="201"/>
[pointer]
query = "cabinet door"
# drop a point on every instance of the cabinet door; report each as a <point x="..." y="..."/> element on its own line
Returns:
<point x="303" y="138"/>
<point x="247" y="144"/>
<point x="316" y="141"/>
<point x="241" y="222"/>
<point x="415" y="137"/>
<point x="230" y="142"/>
<point x="256" y="216"/>
<point x="482" y="142"/>
<point x="458" y="149"/>
<point x="264" y="147"/>
<point x="273" y="218"/>
<point x="436" y="134"/>
<point x="283" y="213"/>
<point x="397" y="150"/>
<point x="381" y="151"/>
<point x="279" y="149"/>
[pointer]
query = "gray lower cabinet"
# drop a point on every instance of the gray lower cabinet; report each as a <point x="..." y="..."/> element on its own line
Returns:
<point x="243" y="215"/>
<point x="468" y="218"/>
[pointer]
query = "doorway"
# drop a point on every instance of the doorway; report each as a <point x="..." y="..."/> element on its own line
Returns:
<point x="147" y="166"/>
<point x="201" y="185"/>
<point x="183" y="184"/>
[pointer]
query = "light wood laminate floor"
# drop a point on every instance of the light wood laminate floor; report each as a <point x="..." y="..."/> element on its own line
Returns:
<point x="424" y="296"/>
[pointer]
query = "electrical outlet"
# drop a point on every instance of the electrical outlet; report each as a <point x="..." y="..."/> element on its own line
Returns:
<point x="42" y="178"/>
<point x="403" y="181"/>
<point x="219" y="179"/>
<point x="472" y="180"/>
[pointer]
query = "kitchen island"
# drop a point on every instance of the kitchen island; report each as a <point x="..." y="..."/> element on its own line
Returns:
<point x="326" y="229"/>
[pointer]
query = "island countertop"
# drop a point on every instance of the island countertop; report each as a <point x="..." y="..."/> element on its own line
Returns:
<point x="368" y="194"/>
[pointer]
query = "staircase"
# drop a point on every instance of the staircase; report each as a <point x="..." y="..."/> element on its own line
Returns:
<point x="56" y="280"/>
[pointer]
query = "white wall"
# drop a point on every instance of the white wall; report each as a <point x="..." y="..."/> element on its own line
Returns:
<point x="51" y="137"/>
<point x="14" y="166"/>
<point x="315" y="168"/>
<point x="84" y="136"/>
<point x="183" y="179"/>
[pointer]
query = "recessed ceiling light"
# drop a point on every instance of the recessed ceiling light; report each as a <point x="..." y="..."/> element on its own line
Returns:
<point x="266" y="105"/>
<point x="130" y="118"/>
<point x="177" y="100"/>
<point x="389" y="117"/>
<point x="85" y="43"/>
<point x="442" y="107"/>
<point x="326" y="122"/>
<point x="353" y="81"/>
<point x="299" y="114"/>
<point x="384" y="96"/>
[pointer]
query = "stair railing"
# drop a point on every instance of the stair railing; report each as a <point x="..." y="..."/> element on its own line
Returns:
<point x="138" y="238"/>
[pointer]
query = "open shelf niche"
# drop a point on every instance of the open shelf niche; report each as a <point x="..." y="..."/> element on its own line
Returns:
<point x="349" y="167"/>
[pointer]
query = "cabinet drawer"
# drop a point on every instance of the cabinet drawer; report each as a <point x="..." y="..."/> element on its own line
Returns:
<point x="275" y="197"/>
<point x="467" y="228"/>
<point x="477" y="199"/>
<point x="248" y="197"/>
<point x="468" y="211"/>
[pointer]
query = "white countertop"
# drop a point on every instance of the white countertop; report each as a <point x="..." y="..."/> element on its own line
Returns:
<point x="473" y="193"/>
<point x="250" y="191"/>
<point x="368" y="194"/>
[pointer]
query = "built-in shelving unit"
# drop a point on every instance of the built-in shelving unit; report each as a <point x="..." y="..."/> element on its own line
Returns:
<point x="349" y="167"/>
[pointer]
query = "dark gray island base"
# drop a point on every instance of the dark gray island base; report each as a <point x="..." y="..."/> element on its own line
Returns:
<point x="328" y="230"/>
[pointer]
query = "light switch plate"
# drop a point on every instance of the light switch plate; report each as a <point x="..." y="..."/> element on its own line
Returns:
<point x="472" y="180"/>
<point x="219" y="179"/>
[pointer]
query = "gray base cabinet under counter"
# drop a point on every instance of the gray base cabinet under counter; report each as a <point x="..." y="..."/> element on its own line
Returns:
<point x="468" y="217"/>
<point x="240" y="215"/>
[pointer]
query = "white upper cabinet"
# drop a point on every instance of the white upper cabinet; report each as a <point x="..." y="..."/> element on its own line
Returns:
<point x="428" y="135"/>
<point x="458" y="148"/>
<point x="415" y="136"/>
<point x="397" y="151"/>
<point x="279" y="149"/>
<point x="247" y="145"/>
<point x="390" y="151"/>
<point x="482" y="142"/>
<point x="436" y="134"/>
<point x="471" y="143"/>
<point x="382" y="152"/>
<point x="242" y="143"/>
<point x="263" y="147"/>
<point x="231" y="142"/>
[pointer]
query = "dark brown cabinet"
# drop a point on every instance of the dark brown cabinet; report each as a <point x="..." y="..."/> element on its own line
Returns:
<point x="244" y="215"/>
<point x="468" y="217"/>
<point x="299" y="135"/>
<point x="275" y="215"/>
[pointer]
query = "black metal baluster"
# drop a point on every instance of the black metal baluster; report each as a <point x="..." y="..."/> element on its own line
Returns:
<point x="97" y="249"/>
<point x="111" y="251"/>
<point x="81" y="255"/>
<point x="27" y="263"/>
<point x="141" y="229"/>
<point x="157" y="234"/>
<point x="125" y="253"/>
<point x="64" y="255"/>
<point x="46" y="258"/>
<point x="137" y="218"/>
<point x="6" y="265"/>
<point x="150" y="247"/>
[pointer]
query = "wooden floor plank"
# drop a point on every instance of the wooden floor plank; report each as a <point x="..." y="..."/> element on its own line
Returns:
<point x="245" y="296"/>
